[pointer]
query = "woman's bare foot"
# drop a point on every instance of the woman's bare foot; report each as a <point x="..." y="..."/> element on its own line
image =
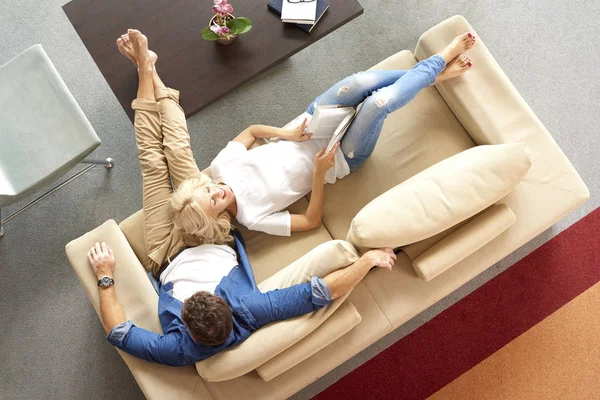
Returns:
<point x="126" y="48"/>
<point x="454" y="68"/>
<point x="460" y="44"/>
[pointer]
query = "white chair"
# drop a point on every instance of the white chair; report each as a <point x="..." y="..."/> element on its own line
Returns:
<point x="43" y="131"/>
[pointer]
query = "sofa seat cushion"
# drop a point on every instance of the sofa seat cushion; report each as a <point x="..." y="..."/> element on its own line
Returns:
<point x="441" y="196"/>
<point x="413" y="138"/>
<point x="268" y="254"/>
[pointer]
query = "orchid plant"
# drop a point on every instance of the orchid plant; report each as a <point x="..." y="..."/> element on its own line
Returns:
<point x="224" y="26"/>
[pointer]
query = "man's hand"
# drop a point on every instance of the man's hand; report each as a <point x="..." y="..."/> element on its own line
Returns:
<point x="383" y="258"/>
<point x="324" y="161"/>
<point x="102" y="260"/>
<point x="297" y="134"/>
<point x="342" y="281"/>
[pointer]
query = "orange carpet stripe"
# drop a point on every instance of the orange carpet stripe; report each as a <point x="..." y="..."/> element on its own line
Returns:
<point x="559" y="358"/>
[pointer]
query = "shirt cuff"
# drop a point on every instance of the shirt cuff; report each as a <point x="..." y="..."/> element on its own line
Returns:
<point x="320" y="292"/>
<point x="117" y="335"/>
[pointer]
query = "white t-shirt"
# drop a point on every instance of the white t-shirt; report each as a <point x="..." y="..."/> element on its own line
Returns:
<point x="199" y="268"/>
<point x="269" y="178"/>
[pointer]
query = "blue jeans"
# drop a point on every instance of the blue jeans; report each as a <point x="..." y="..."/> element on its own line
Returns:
<point x="382" y="92"/>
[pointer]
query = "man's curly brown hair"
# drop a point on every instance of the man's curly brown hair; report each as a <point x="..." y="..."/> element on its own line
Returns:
<point x="208" y="318"/>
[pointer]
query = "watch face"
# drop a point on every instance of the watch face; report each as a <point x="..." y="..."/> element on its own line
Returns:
<point x="106" y="281"/>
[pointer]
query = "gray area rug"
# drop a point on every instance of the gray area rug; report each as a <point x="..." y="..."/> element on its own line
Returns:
<point x="51" y="341"/>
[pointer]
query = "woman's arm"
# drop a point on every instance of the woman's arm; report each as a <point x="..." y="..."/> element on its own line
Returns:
<point x="312" y="218"/>
<point x="253" y="132"/>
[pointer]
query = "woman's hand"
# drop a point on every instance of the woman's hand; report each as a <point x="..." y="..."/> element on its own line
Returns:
<point x="102" y="260"/>
<point x="324" y="161"/>
<point x="297" y="134"/>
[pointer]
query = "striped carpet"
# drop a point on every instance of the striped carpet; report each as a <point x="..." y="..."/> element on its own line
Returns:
<point x="532" y="332"/>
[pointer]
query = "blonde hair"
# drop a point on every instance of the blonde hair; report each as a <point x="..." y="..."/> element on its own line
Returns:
<point x="196" y="225"/>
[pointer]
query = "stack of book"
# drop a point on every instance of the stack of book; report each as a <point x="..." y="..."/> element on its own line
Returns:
<point x="305" y="14"/>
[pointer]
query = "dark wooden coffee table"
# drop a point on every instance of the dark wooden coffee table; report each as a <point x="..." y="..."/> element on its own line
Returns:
<point x="204" y="71"/>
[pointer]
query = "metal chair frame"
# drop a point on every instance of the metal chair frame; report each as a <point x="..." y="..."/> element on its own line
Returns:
<point x="108" y="164"/>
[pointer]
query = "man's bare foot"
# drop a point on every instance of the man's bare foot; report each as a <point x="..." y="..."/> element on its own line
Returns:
<point x="460" y="44"/>
<point x="126" y="48"/>
<point x="454" y="68"/>
<point x="139" y="43"/>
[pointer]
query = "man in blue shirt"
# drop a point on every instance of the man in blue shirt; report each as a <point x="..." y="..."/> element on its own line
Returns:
<point x="204" y="323"/>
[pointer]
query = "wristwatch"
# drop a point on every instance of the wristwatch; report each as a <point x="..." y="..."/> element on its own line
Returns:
<point x="106" y="281"/>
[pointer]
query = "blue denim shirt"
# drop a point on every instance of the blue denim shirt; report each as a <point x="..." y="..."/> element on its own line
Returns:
<point x="251" y="309"/>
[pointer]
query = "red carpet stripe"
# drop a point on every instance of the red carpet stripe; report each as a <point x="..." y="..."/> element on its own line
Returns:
<point x="481" y="323"/>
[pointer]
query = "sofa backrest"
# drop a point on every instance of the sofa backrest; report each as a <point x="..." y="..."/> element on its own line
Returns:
<point x="413" y="138"/>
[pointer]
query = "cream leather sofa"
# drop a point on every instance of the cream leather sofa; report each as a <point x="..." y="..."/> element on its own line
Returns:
<point x="482" y="107"/>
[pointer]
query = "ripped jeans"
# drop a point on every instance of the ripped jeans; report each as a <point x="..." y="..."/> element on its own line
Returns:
<point x="383" y="92"/>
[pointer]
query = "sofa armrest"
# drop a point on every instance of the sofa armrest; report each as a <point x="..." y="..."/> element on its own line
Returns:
<point x="274" y="338"/>
<point x="464" y="241"/>
<point x="140" y="302"/>
<point x="493" y="112"/>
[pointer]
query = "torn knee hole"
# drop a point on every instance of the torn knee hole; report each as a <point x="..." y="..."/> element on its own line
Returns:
<point x="351" y="154"/>
<point x="343" y="90"/>
<point x="382" y="101"/>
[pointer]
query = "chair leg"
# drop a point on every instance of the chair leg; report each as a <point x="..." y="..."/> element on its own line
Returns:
<point x="108" y="162"/>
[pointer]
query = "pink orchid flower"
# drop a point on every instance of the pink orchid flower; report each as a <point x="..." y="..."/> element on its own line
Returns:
<point x="220" y="30"/>
<point x="222" y="7"/>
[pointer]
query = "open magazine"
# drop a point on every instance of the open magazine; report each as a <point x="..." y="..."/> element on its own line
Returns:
<point x="331" y="122"/>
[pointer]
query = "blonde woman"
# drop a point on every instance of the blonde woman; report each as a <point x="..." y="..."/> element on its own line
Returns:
<point x="254" y="186"/>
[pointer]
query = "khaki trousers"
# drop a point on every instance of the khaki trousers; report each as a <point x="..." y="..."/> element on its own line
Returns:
<point x="165" y="154"/>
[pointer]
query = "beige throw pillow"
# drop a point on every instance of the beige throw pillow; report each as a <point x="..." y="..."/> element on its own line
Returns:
<point x="440" y="196"/>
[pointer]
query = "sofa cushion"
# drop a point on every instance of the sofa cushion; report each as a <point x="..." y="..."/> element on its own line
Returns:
<point x="274" y="338"/>
<point x="268" y="254"/>
<point x="464" y="241"/>
<point x="133" y="228"/>
<point x="340" y="323"/>
<point x="412" y="139"/>
<point x="441" y="196"/>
